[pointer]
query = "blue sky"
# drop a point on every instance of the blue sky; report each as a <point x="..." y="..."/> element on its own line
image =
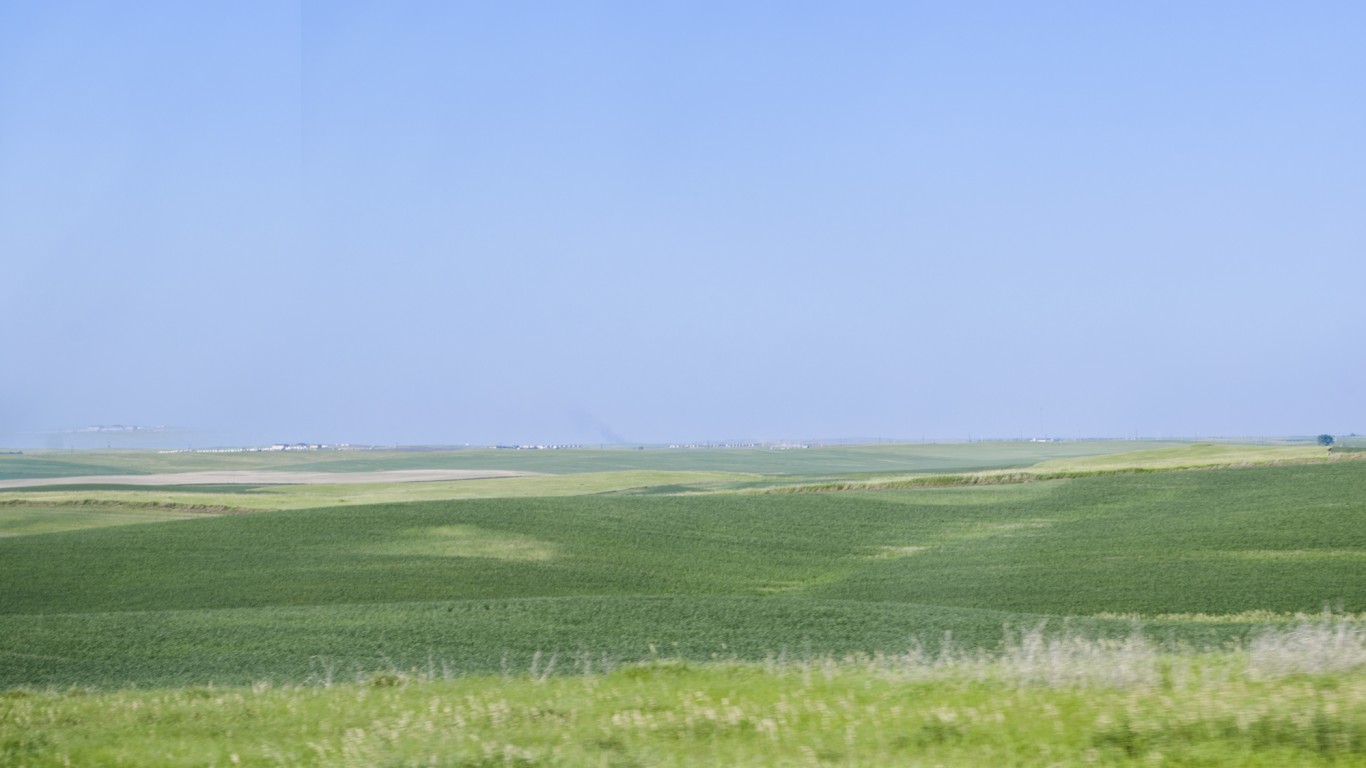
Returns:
<point x="585" y="222"/>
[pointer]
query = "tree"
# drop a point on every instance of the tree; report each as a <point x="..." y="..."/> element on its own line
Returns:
<point x="1325" y="439"/>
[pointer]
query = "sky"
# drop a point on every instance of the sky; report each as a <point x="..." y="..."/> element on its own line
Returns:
<point x="620" y="222"/>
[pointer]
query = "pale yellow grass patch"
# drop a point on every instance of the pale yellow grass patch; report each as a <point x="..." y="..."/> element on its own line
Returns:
<point x="1294" y="554"/>
<point x="886" y="553"/>
<point x="309" y="495"/>
<point x="466" y="541"/>
<point x="1242" y="617"/>
<point x="1192" y="456"/>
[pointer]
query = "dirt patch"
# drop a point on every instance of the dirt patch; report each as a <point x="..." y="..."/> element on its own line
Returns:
<point x="267" y="477"/>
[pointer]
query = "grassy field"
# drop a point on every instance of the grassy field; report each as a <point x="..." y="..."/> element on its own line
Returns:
<point x="437" y="586"/>
<point x="29" y="519"/>
<point x="1060" y="702"/>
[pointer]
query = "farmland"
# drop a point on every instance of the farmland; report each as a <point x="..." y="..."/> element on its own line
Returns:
<point x="700" y="565"/>
<point x="817" y="460"/>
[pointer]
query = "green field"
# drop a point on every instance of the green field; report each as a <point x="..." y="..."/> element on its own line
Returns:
<point x="569" y="573"/>
<point x="707" y="575"/>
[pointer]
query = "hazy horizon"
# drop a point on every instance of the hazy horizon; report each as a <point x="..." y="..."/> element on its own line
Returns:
<point x="167" y="439"/>
<point x="604" y="223"/>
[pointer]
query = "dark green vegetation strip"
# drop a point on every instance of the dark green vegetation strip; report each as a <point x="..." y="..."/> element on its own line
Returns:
<point x="344" y="643"/>
<point x="737" y="572"/>
<point x="78" y="504"/>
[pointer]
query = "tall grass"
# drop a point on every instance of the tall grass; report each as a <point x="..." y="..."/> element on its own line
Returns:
<point x="1308" y="648"/>
<point x="1045" y="699"/>
<point x="1032" y="657"/>
<point x="1037" y="656"/>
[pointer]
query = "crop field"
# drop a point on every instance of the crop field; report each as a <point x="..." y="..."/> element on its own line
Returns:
<point x="274" y="497"/>
<point x="612" y="590"/>
<point x="814" y="461"/>
<point x="602" y="471"/>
